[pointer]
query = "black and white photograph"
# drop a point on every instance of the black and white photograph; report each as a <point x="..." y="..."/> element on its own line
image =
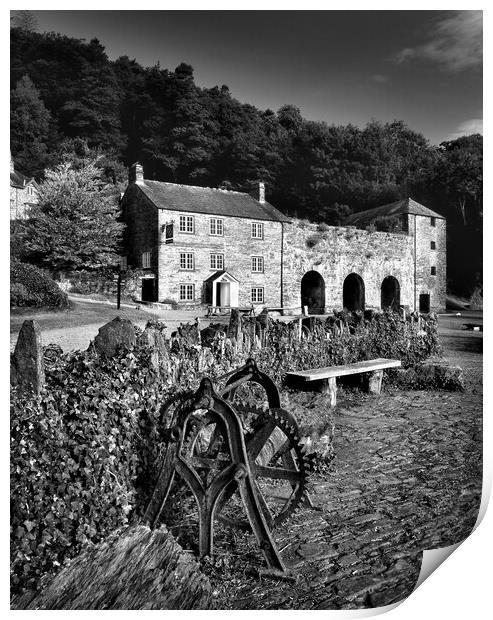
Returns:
<point x="246" y="305"/>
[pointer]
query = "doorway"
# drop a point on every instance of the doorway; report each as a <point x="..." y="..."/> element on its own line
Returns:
<point x="353" y="293"/>
<point x="424" y="302"/>
<point x="148" y="289"/>
<point x="390" y="294"/>
<point x="313" y="292"/>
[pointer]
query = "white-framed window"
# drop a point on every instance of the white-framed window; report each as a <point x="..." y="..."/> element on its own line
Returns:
<point x="257" y="230"/>
<point x="257" y="294"/>
<point x="123" y="263"/>
<point x="216" y="227"/>
<point x="186" y="261"/>
<point x="146" y="260"/>
<point x="217" y="261"/>
<point x="187" y="292"/>
<point x="187" y="224"/>
<point x="257" y="264"/>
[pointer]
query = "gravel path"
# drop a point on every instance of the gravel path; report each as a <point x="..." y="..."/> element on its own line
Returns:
<point x="406" y="477"/>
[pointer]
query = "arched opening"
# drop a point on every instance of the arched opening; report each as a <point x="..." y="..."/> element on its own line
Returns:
<point x="313" y="292"/>
<point x="353" y="293"/>
<point x="390" y="294"/>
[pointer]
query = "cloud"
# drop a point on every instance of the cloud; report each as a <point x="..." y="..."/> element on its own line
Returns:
<point x="455" y="42"/>
<point x="473" y="125"/>
<point x="379" y="78"/>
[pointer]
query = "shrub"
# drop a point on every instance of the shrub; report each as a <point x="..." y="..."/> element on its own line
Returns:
<point x="313" y="240"/>
<point x="30" y="286"/>
<point x="85" y="453"/>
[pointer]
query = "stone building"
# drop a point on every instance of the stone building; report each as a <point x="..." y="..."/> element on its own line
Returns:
<point x="23" y="193"/>
<point x="201" y="246"/>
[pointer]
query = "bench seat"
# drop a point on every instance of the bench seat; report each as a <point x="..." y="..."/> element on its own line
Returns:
<point x="325" y="378"/>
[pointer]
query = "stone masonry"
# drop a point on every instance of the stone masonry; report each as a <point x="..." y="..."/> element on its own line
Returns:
<point x="301" y="261"/>
<point x="340" y="251"/>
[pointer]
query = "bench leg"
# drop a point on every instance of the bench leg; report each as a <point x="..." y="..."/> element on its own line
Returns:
<point x="329" y="386"/>
<point x="375" y="382"/>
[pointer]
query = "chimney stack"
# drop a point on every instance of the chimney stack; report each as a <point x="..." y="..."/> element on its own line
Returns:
<point x="261" y="192"/>
<point x="136" y="174"/>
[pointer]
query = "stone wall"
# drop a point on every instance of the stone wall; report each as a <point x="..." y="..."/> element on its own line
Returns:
<point x="141" y="234"/>
<point x="236" y="245"/>
<point x="336" y="252"/>
<point x="21" y="200"/>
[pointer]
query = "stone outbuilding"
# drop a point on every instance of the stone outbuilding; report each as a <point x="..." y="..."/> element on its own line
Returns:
<point x="198" y="246"/>
<point x="23" y="193"/>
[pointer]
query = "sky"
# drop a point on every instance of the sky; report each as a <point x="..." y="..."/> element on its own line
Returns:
<point x="422" y="67"/>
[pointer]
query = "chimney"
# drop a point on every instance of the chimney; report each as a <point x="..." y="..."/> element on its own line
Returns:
<point x="136" y="174"/>
<point x="261" y="192"/>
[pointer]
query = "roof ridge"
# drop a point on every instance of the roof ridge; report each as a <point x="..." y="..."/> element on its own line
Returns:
<point x="215" y="189"/>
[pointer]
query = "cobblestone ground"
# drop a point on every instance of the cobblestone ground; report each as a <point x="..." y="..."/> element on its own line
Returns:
<point x="406" y="477"/>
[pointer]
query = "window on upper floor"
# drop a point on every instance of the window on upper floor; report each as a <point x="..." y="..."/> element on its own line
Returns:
<point x="167" y="230"/>
<point x="187" y="224"/>
<point x="257" y="295"/>
<point x="257" y="264"/>
<point x="433" y="221"/>
<point x="217" y="261"/>
<point x="146" y="260"/>
<point x="433" y="245"/>
<point x="216" y="227"/>
<point x="187" y="261"/>
<point x="433" y="271"/>
<point x="187" y="292"/>
<point x="257" y="230"/>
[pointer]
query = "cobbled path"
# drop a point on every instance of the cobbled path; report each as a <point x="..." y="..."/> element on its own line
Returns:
<point x="406" y="477"/>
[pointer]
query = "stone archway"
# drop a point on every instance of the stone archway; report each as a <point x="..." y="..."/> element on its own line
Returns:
<point x="353" y="293"/>
<point x="313" y="292"/>
<point x="390" y="293"/>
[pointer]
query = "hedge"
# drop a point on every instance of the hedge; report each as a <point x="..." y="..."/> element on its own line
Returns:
<point x="30" y="286"/>
<point x="85" y="453"/>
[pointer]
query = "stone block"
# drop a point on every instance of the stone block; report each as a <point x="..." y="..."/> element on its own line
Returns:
<point x="118" y="333"/>
<point x="27" y="360"/>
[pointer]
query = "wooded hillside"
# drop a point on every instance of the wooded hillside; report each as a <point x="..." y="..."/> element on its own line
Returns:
<point x="67" y="97"/>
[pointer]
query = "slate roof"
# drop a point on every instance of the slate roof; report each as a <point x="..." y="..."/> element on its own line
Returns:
<point x="17" y="179"/>
<point x="218" y="274"/>
<point x="406" y="205"/>
<point x="191" y="199"/>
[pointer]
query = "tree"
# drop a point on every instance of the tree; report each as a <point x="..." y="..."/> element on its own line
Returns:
<point x="24" y="20"/>
<point x="75" y="224"/>
<point x="29" y="127"/>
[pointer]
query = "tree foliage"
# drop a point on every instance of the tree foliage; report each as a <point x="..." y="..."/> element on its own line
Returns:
<point x="182" y="133"/>
<point x="75" y="223"/>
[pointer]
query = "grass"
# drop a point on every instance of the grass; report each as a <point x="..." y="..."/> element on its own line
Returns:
<point x="79" y="314"/>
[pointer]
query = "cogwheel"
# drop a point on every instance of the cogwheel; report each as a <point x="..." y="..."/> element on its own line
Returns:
<point x="278" y="465"/>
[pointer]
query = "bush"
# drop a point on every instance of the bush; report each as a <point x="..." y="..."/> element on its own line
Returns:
<point x="85" y="453"/>
<point x="30" y="286"/>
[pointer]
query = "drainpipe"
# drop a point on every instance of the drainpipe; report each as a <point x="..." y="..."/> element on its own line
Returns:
<point x="282" y="265"/>
<point x="415" y="267"/>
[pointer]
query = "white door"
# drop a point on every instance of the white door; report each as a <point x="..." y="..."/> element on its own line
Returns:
<point x="224" y="296"/>
<point x="234" y="294"/>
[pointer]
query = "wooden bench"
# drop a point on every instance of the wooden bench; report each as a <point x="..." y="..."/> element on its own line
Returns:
<point x="325" y="378"/>
<point x="474" y="327"/>
<point x="215" y="310"/>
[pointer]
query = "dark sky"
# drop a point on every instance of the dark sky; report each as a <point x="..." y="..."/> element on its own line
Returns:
<point x="424" y="67"/>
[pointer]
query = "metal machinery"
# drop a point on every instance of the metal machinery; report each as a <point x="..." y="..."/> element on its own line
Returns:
<point x="233" y="455"/>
